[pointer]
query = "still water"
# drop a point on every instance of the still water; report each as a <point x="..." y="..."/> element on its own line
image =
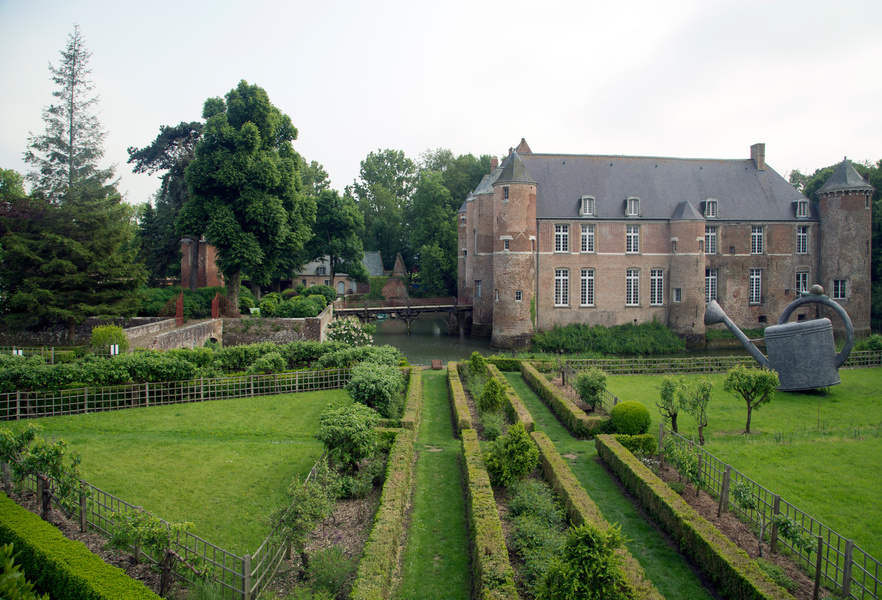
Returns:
<point x="428" y="340"/>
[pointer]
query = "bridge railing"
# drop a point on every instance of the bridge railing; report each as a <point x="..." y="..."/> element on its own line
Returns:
<point x="397" y="303"/>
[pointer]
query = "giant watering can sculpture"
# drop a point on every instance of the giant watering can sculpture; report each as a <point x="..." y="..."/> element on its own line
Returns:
<point x="803" y="354"/>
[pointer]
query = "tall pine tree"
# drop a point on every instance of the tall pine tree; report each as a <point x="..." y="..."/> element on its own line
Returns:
<point x="68" y="256"/>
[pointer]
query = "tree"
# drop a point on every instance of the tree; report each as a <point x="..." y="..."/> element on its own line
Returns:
<point x="65" y="158"/>
<point x="433" y="224"/>
<point x="695" y="400"/>
<point x="670" y="391"/>
<point x="335" y="235"/>
<point x="755" y="386"/>
<point x="11" y="185"/>
<point x="245" y="188"/>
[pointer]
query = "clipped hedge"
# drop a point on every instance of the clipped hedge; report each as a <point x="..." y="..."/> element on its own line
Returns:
<point x="737" y="576"/>
<point x="61" y="567"/>
<point x="462" y="418"/>
<point x="514" y="406"/>
<point x="581" y="509"/>
<point x="572" y="417"/>
<point x="640" y="445"/>
<point x="386" y="542"/>
<point x="413" y="406"/>
<point x="492" y="572"/>
<point x="508" y="365"/>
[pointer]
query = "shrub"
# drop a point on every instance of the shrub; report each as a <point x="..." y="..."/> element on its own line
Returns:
<point x="348" y="357"/>
<point x="874" y="343"/>
<point x="348" y="434"/>
<point x="534" y="497"/>
<point x="639" y="445"/>
<point x="331" y="570"/>
<point x="104" y="336"/>
<point x="13" y="584"/>
<point x="272" y="362"/>
<point x="268" y="307"/>
<point x="646" y="338"/>
<point x="329" y="293"/>
<point x="513" y="456"/>
<point x="352" y="331"/>
<point x="152" y="366"/>
<point x="379" y="386"/>
<point x="477" y="365"/>
<point x="285" y="310"/>
<point x="630" y="417"/>
<point x="246" y="304"/>
<point x="492" y="398"/>
<point x="493" y="424"/>
<point x="590" y="384"/>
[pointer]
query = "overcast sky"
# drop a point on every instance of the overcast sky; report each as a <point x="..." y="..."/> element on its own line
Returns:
<point x="679" y="78"/>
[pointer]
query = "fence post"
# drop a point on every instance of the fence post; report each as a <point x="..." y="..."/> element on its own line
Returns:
<point x="776" y="509"/>
<point x="700" y="466"/>
<point x="86" y="398"/>
<point x="17" y="405"/>
<point x="84" y="521"/>
<point x="818" y="569"/>
<point x="846" y="569"/>
<point x="246" y="577"/>
<point x="146" y="394"/>
<point x="724" y="491"/>
<point x="661" y="443"/>
<point x="297" y="382"/>
<point x="7" y="484"/>
<point x="251" y="386"/>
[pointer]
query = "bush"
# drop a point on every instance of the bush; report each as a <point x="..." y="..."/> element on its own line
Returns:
<point x="104" y="336"/>
<point x="352" y="331"/>
<point x="874" y="343"/>
<point x="348" y="434"/>
<point x="329" y="293"/>
<point x="379" y="386"/>
<point x="639" y="445"/>
<point x="272" y="362"/>
<point x="579" y="338"/>
<point x="13" y="584"/>
<point x="285" y="310"/>
<point x="477" y="365"/>
<point x="492" y="398"/>
<point x="348" y="357"/>
<point x="493" y="424"/>
<point x="590" y="384"/>
<point x="534" y="497"/>
<point x="630" y="418"/>
<point x="330" y="571"/>
<point x="513" y="456"/>
<point x="268" y="307"/>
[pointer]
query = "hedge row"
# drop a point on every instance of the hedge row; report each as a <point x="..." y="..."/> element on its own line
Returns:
<point x="509" y="365"/>
<point x="462" y="418"/>
<point x="581" y="509"/>
<point x="384" y="546"/>
<point x="737" y="576"/>
<point x="61" y="567"/>
<point x="413" y="406"/>
<point x="492" y="572"/>
<point x="573" y="418"/>
<point x="514" y="406"/>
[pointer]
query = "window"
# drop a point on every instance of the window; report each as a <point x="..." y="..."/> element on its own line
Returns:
<point x="505" y="193"/>
<point x="496" y="295"/>
<point x="678" y="295"/>
<point x="710" y="239"/>
<point x="505" y="245"/>
<point x="561" y="238"/>
<point x="710" y="209"/>
<point x="519" y="296"/>
<point x="802" y="209"/>
<point x="327" y="282"/>
<point x="710" y="285"/>
<point x="477" y="288"/>
<point x="561" y="287"/>
<point x="756" y="286"/>
<point x="465" y="252"/>
<point x="587" y="287"/>
<point x="587" y="209"/>
<point x="802" y="239"/>
<point x="632" y="239"/>
<point x="321" y="271"/>
<point x="802" y="281"/>
<point x="632" y="287"/>
<point x="587" y="238"/>
<point x="673" y="246"/>
<point x="633" y="208"/>
<point x="839" y="289"/>
<point x="756" y="239"/>
<point x="656" y="287"/>
<point x="303" y="281"/>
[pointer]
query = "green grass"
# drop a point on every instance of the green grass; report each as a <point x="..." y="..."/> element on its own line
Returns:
<point x="670" y="573"/>
<point x="223" y="465"/>
<point x="436" y="560"/>
<point x="820" y="452"/>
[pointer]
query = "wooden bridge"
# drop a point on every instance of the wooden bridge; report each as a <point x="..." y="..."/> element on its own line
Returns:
<point x="406" y="309"/>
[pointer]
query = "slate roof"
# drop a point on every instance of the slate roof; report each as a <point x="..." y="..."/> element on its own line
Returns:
<point x="743" y="193"/>
<point x="845" y="178"/>
<point x="373" y="262"/>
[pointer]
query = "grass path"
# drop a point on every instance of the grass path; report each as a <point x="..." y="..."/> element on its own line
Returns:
<point x="436" y="560"/>
<point x="667" y="569"/>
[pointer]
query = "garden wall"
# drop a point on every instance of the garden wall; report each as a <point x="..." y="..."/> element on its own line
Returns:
<point x="57" y="335"/>
<point x="190" y="336"/>
<point x="251" y="330"/>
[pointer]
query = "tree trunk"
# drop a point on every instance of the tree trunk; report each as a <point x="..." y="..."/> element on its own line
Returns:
<point x="46" y="499"/>
<point x="747" y="427"/>
<point x="233" y="282"/>
<point x="255" y="291"/>
<point x="71" y="331"/>
<point x="701" y="435"/>
<point x="674" y="422"/>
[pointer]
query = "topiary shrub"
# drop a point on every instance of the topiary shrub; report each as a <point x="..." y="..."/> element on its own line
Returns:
<point x="477" y="365"/>
<point x="639" y="445"/>
<point x="379" y="386"/>
<point x="590" y="384"/>
<point x="104" y="336"/>
<point x="630" y="418"/>
<point x="513" y="456"/>
<point x="272" y="362"/>
<point x="492" y="398"/>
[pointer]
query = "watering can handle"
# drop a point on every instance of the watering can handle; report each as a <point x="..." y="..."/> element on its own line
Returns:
<point x="822" y="299"/>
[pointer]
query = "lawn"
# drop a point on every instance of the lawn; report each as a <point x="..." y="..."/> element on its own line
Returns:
<point x="820" y="452"/>
<point x="222" y="465"/>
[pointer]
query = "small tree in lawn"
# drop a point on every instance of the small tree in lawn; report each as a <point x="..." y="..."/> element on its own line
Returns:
<point x="755" y="386"/>
<point x="590" y="384"/>
<point x="697" y="397"/>
<point x="348" y="434"/>
<point x="670" y="391"/>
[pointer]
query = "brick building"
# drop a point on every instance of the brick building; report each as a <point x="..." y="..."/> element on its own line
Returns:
<point x="551" y="239"/>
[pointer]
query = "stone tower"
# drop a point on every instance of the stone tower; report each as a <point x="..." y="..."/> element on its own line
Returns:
<point x="845" y="207"/>
<point x="687" y="272"/>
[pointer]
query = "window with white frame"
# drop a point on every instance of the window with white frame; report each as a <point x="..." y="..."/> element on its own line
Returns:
<point x="802" y="209"/>
<point x="477" y="288"/>
<point x="710" y="239"/>
<point x="587" y="238"/>
<point x="561" y="238"/>
<point x="656" y="287"/>
<point x="633" y="207"/>
<point x="587" y="208"/>
<point x="756" y="239"/>
<point x="632" y="239"/>
<point x="802" y="239"/>
<point x="710" y="209"/>
<point x="710" y="284"/>
<point x="756" y="286"/>
<point x="505" y="194"/>
<point x="587" y="297"/>
<point x="561" y="287"/>
<point x="678" y="294"/>
<point x="839" y="289"/>
<point x="632" y="287"/>
<point x="802" y="281"/>
<point x="506" y="245"/>
<point x="496" y="295"/>
<point x="519" y="296"/>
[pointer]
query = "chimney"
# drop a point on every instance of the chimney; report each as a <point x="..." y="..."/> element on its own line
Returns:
<point x="758" y="155"/>
<point x="494" y="162"/>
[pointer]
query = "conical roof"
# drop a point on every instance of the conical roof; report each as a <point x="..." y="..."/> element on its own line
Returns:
<point x="686" y="212"/>
<point x="514" y="171"/>
<point x="846" y="178"/>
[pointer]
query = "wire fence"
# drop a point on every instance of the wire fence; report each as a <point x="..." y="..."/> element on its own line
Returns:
<point x="843" y="566"/>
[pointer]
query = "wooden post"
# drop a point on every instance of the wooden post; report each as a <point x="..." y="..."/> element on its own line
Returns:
<point x="86" y="398"/>
<point x="776" y="510"/>
<point x="724" y="492"/>
<point x="846" y="569"/>
<point x="84" y="521"/>
<point x="7" y="484"/>
<point x="661" y="443"/>
<point x="246" y="577"/>
<point x="17" y="405"/>
<point x="700" y="466"/>
<point x="146" y="394"/>
<point x="818" y="569"/>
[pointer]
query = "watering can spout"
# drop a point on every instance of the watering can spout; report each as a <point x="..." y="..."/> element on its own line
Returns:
<point x="714" y="314"/>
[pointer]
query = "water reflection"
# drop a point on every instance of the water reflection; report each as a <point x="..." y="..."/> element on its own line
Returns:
<point x="428" y="340"/>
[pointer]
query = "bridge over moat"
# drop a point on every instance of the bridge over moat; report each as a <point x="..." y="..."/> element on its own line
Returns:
<point x="406" y="309"/>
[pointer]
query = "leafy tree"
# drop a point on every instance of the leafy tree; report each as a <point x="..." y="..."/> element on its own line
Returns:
<point x="338" y="223"/>
<point x="245" y="187"/>
<point x="11" y="185"/>
<point x="315" y="179"/>
<point x="433" y="225"/>
<point x="348" y="434"/>
<point x="378" y="386"/>
<point x="590" y="383"/>
<point x="670" y="391"/>
<point x="696" y="398"/>
<point x="755" y="386"/>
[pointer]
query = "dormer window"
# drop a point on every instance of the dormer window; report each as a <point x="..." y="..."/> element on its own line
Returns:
<point x="710" y="209"/>
<point x="802" y="210"/>
<point x="632" y="207"/>
<point x="587" y="209"/>
<point x="321" y="271"/>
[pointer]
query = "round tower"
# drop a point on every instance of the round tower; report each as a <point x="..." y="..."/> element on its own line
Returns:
<point x="687" y="273"/>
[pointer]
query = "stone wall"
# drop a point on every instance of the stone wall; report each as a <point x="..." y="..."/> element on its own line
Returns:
<point x="189" y="336"/>
<point x="58" y="335"/>
<point x="280" y="331"/>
